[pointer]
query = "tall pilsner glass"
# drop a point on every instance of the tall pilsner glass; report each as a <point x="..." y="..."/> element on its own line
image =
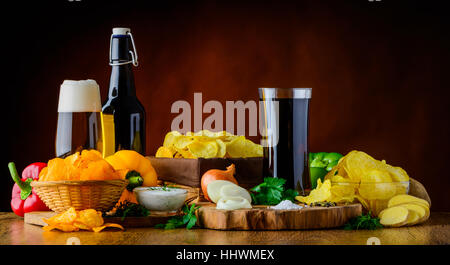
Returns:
<point x="285" y="135"/>
<point x="79" y="117"/>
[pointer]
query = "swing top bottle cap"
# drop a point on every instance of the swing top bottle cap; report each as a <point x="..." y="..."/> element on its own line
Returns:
<point x="79" y="96"/>
<point x="121" y="31"/>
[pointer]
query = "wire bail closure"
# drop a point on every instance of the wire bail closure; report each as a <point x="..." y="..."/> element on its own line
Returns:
<point x="133" y="53"/>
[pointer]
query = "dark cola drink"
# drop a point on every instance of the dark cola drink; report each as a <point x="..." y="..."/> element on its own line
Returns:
<point x="284" y="119"/>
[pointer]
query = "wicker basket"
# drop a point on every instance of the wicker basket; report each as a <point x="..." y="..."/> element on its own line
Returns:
<point x="100" y="195"/>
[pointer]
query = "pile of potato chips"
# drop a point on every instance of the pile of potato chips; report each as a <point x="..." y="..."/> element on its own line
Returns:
<point x="72" y="220"/>
<point x="207" y="144"/>
<point x="84" y="165"/>
<point x="360" y="176"/>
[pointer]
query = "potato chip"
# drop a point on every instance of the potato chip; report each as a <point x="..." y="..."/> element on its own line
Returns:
<point x="397" y="173"/>
<point x="90" y="217"/>
<point x="87" y="165"/>
<point x="184" y="153"/>
<point x="62" y="227"/>
<point x="211" y="134"/>
<point x="72" y="220"/>
<point x="340" y="179"/>
<point x="363" y="201"/>
<point x="56" y="169"/>
<point x="98" y="170"/>
<point x="81" y="225"/>
<point x="222" y="148"/>
<point x="204" y="149"/>
<point x="202" y="144"/>
<point x="321" y="193"/>
<point x="100" y="228"/>
<point x="377" y="185"/>
<point x="375" y="176"/>
<point x="357" y="163"/>
<point x="343" y="190"/>
<point x="241" y="147"/>
<point x="170" y="138"/>
<point x="182" y="142"/>
<point x="377" y="191"/>
<point x="165" y="152"/>
<point x="67" y="217"/>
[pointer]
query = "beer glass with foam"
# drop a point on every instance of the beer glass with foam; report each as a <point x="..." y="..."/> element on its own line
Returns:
<point x="79" y="117"/>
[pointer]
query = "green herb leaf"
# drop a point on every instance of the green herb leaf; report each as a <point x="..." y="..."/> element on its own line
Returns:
<point x="191" y="222"/>
<point x="290" y="194"/>
<point x="272" y="192"/>
<point x="188" y="219"/>
<point x="129" y="209"/>
<point x="364" y="222"/>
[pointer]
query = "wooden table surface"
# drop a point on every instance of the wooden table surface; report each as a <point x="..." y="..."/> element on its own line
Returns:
<point x="435" y="231"/>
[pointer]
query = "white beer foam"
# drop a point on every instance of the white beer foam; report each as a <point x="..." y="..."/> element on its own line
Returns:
<point x="79" y="96"/>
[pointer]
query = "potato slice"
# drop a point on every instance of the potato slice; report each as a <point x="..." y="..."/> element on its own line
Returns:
<point x="395" y="216"/>
<point x="214" y="188"/>
<point x="422" y="212"/>
<point x="233" y="203"/>
<point x="235" y="191"/>
<point x="405" y="198"/>
<point x="413" y="217"/>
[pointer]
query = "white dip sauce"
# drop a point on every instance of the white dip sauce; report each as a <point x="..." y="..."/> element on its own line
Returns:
<point x="160" y="198"/>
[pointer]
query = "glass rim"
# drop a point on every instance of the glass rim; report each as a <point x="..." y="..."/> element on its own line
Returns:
<point x="359" y="182"/>
<point x="289" y="93"/>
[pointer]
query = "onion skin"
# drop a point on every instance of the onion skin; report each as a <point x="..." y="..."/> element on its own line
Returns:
<point x="217" y="174"/>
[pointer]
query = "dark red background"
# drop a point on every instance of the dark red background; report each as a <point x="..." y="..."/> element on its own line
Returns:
<point x="378" y="70"/>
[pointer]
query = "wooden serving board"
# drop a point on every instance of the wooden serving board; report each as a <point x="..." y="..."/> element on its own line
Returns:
<point x="263" y="218"/>
<point x="36" y="218"/>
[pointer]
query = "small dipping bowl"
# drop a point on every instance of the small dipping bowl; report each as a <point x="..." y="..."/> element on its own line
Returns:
<point x="163" y="199"/>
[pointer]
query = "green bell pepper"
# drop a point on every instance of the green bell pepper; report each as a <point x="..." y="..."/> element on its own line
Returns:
<point x="320" y="164"/>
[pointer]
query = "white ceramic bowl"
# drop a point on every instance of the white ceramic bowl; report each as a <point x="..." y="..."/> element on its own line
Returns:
<point x="160" y="198"/>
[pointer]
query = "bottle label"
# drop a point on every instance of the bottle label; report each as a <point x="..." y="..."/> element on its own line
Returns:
<point x="108" y="134"/>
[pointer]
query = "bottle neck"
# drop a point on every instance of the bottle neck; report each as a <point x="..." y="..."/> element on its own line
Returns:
<point x="122" y="78"/>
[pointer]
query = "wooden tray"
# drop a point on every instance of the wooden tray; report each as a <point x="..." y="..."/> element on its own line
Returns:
<point x="153" y="219"/>
<point x="263" y="218"/>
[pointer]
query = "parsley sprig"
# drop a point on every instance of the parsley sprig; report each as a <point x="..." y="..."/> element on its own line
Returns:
<point x="272" y="192"/>
<point x="129" y="209"/>
<point x="363" y="222"/>
<point x="188" y="219"/>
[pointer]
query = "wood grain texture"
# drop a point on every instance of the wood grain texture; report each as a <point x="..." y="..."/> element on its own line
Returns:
<point x="435" y="231"/>
<point x="263" y="218"/>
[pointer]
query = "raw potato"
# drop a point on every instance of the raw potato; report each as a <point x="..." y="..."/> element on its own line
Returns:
<point x="235" y="191"/>
<point x="418" y="190"/>
<point x="233" y="203"/>
<point x="404" y="198"/>
<point x="214" y="188"/>
<point x="421" y="212"/>
<point x="413" y="217"/>
<point x="395" y="216"/>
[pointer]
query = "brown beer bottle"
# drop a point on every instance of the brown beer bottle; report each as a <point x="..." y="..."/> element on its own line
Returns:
<point x="123" y="116"/>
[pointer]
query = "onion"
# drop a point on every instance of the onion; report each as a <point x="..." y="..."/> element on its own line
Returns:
<point x="233" y="203"/>
<point x="217" y="174"/>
